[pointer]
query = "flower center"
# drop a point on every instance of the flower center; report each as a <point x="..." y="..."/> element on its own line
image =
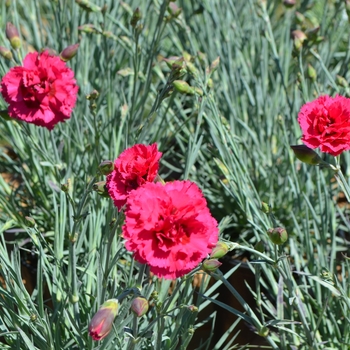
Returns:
<point x="170" y="231"/>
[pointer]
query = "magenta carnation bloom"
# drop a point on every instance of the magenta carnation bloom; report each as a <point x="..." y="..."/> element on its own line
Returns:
<point x="134" y="167"/>
<point x="42" y="92"/>
<point x="325" y="123"/>
<point x="169" y="227"/>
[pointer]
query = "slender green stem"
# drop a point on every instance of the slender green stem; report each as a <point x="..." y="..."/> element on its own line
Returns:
<point x="72" y="253"/>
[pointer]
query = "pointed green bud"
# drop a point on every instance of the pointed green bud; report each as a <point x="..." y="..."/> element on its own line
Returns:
<point x="30" y="221"/>
<point x="278" y="235"/>
<point x="6" y="53"/>
<point x="174" y="62"/>
<point x="106" y="167"/>
<point x="139" y="306"/>
<point x="100" y="188"/>
<point x="136" y="16"/>
<point x="187" y="57"/>
<point x="88" y="6"/>
<point x="219" y="250"/>
<point x="211" y="265"/>
<point x="214" y="65"/>
<point x="263" y="331"/>
<point x="265" y="208"/>
<point x="13" y="36"/>
<point x="102" y="322"/>
<point x="306" y="154"/>
<point x="69" y="52"/>
<point x="87" y="28"/>
<point x="341" y="81"/>
<point x="183" y="88"/>
<point x="311" y="72"/>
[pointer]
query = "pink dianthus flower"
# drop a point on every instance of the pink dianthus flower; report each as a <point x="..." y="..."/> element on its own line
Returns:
<point x="42" y="92"/>
<point x="134" y="167"/>
<point x="169" y="227"/>
<point x="325" y="123"/>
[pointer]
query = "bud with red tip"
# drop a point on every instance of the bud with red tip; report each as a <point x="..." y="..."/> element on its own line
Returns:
<point x="139" y="306"/>
<point x="174" y="10"/>
<point x="69" y="52"/>
<point x="211" y="265"/>
<point x="298" y="37"/>
<point x="289" y="3"/>
<point x="6" y="53"/>
<point x="102" y="322"/>
<point x="13" y="35"/>
<point x="278" y="235"/>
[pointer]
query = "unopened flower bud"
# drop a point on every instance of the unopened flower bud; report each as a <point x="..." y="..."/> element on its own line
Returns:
<point x="263" y="331"/>
<point x="88" y="6"/>
<point x="214" y="65"/>
<point x="87" y="28"/>
<point x="265" y="208"/>
<point x="192" y="308"/>
<point x="6" y="53"/>
<point x="298" y="37"/>
<point x="174" y="10"/>
<point x="183" y="88"/>
<point x="65" y="187"/>
<point x="30" y="221"/>
<point x="102" y="322"/>
<point x="211" y="265"/>
<point x="277" y="235"/>
<point x="306" y="154"/>
<point x="93" y="95"/>
<point x="289" y="3"/>
<point x="136" y="16"/>
<point x="187" y="56"/>
<point x="13" y="35"/>
<point x="210" y="83"/>
<point x="311" y="72"/>
<point x="174" y="62"/>
<point x="341" y="81"/>
<point x="69" y="52"/>
<point x="106" y="167"/>
<point x="100" y="188"/>
<point x="219" y="250"/>
<point x="139" y="306"/>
